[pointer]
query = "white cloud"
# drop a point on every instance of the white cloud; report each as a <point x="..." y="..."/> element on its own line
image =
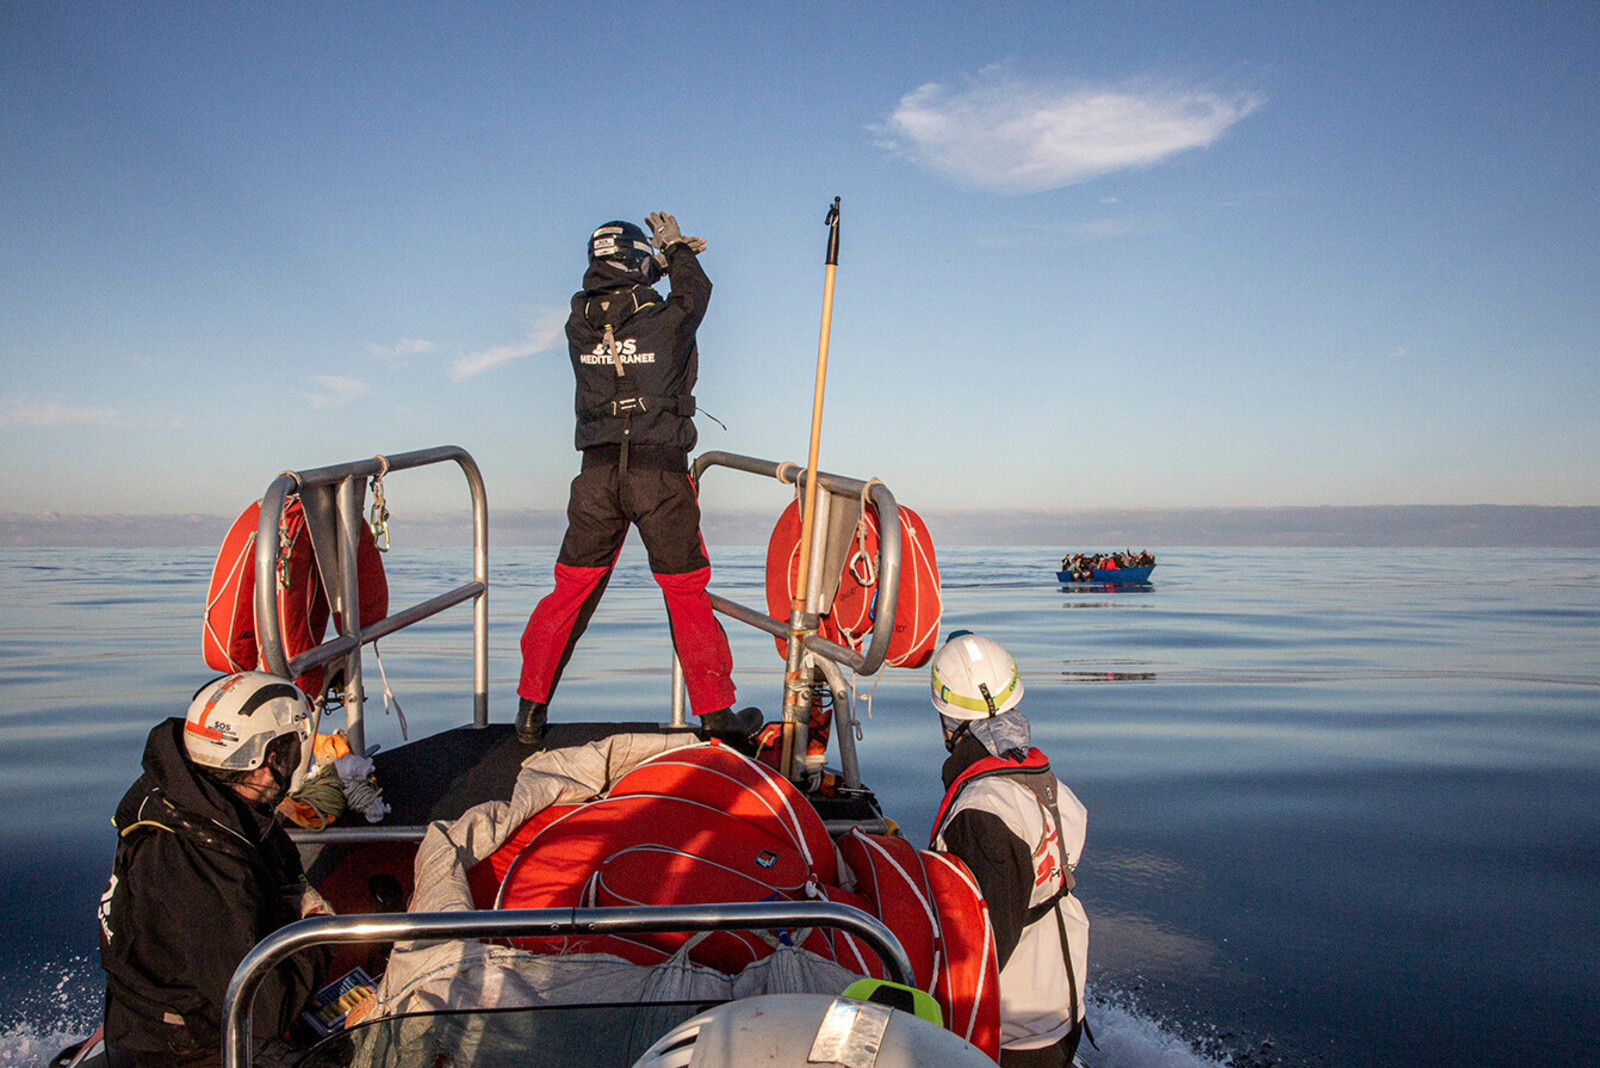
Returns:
<point x="546" y="334"/>
<point x="406" y="346"/>
<point x="337" y="391"/>
<point x="50" y="414"/>
<point x="1011" y="136"/>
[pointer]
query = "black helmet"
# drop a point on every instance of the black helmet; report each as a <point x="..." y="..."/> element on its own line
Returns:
<point x="628" y="248"/>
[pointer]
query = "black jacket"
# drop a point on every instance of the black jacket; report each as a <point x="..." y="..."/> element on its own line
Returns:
<point x="654" y="345"/>
<point x="199" y="878"/>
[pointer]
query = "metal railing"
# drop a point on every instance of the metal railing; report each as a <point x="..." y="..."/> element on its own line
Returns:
<point x="838" y="488"/>
<point x="332" y="498"/>
<point x="838" y="508"/>
<point x="523" y="923"/>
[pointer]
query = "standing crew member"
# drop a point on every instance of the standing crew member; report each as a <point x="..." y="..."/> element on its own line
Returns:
<point x="1020" y="831"/>
<point x="636" y="363"/>
<point x="203" y="872"/>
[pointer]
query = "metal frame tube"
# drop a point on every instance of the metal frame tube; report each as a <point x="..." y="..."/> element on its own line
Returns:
<point x="678" y="718"/>
<point x="889" y="552"/>
<point x="843" y="726"/>
<point x="350" y="495"/>
<point x="349" y="476"/>
<point x="333" y="649"/>
<point x="300" y="836"/>
<point x="512" y="923"/>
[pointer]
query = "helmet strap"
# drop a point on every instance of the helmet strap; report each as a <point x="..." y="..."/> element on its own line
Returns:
<point x="257" y="794"/>
<point x="281" y="781"/>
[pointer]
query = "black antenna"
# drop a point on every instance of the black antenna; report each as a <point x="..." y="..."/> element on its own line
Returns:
<point x="832" y="223"/>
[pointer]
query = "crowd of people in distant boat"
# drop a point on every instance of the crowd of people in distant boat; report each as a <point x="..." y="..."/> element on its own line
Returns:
<point x="1084" y="565"/>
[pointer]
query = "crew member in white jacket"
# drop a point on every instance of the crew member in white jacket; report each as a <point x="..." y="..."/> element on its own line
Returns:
<point x="1020" y="831"/>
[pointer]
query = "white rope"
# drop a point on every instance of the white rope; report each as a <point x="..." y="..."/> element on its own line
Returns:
<point x="360" y="792"/>
<point x="863" y="564"/>
<point x="388" y="695"/>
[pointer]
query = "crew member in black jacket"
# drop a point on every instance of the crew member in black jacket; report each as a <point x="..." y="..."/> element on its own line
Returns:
<point x="636" y="363"/>
<point x="203" y="872"/>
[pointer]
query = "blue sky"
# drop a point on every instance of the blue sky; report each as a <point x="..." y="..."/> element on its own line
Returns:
<point x="1094" y="254"/>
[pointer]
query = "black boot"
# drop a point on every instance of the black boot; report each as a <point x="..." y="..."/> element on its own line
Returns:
<point x="531" y="716"/>
<point x="737" y="729"/>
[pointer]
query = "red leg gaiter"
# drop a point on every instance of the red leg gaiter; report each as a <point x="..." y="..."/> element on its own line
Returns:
<point x="700" y="641"/>
<point x="555" y="626"/>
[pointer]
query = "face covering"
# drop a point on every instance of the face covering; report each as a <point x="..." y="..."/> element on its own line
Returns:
<point x="1003" y="733"/>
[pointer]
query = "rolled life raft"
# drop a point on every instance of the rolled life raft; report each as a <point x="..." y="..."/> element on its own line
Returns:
<point x="849" y="615"/>
<point x="229" y="639"/>
<point x="705" y="824"/>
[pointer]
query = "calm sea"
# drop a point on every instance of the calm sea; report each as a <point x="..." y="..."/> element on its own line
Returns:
<point x="1344" y="805"/>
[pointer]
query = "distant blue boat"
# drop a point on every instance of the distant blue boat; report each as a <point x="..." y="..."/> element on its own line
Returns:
<point x="1117" y="576"/>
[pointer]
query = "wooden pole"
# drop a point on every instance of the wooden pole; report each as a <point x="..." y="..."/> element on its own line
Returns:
<point x="797" y="688"/>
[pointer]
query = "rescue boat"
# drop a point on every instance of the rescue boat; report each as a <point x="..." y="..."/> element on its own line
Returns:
<point x="623" y="893"/>
<point x="1114" y="576"/>
<point x="1087" y="568"/>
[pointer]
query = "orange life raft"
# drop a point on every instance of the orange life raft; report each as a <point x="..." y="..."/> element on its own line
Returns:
<point x="849" y="619"/>
<point x="704" y="824"/>
<point x="229" y="639"/>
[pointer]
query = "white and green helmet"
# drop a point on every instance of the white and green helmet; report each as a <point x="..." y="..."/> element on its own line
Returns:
<point x="974" y="678"/>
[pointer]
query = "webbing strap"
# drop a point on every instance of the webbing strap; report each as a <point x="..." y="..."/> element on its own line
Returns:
<point x="639" y="404"/>
<point x="1047" y="906"/>
<point x="1067" y="883"/>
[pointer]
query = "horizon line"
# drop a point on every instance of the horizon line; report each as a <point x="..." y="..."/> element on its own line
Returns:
<point x="1363" y="526"/>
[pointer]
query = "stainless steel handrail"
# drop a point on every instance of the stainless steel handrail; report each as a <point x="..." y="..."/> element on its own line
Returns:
<point x="345" y="480"/>
<point x="888" y="563"/>
<point x="415" y="832"/>
<point x="514" y="923"/>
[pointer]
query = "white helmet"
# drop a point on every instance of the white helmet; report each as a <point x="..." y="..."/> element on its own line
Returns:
<point x="794" y="1030"/>
<point x="974" y="678"/>
<point x="234" y="720"/>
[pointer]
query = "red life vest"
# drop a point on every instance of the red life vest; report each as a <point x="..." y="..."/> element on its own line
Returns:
<point x="989" y="765"/>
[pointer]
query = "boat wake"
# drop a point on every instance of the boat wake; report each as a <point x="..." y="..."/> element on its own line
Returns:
<point x="61" y="1006"/>
<point x="1129" y="1038"/>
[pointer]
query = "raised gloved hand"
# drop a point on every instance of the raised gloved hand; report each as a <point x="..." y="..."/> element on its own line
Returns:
<point x="664" y="233"/>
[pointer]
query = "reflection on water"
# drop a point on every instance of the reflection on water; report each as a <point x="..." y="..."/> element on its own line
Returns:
<point x="1136" y="868"/>
<point x="1115" y="675"/>
<point x="1165" y="953"/>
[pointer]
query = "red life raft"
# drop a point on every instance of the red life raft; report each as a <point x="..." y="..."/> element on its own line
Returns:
<point x="704" y="824"/>
<point x="229" y="640"/>
<point x="848" y="621"/>
<point x="934" y="906"/>
<point x="697" y="825"/>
